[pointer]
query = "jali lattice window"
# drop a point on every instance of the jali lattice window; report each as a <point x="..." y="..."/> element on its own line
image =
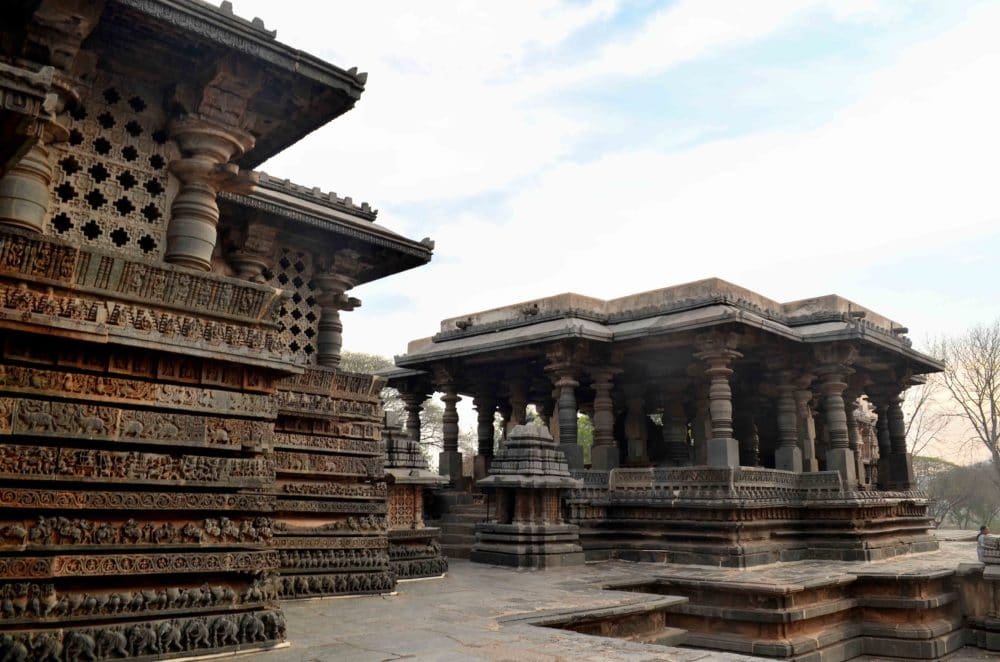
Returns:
<point x="299" y="314"/>
<point x="110" y="184"/>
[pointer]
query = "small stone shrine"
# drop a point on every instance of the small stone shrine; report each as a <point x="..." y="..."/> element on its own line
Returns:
<point x="526" y="528"/>
<point x="414" y="549"/>
<point x="174" y="428"/>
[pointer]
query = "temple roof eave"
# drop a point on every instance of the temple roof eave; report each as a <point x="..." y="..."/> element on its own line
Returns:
<point x="406" y="253"/>
<point x="549" y="331"/>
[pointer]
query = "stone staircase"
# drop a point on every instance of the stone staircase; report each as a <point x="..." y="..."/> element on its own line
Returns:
<point x="458" y="528"/>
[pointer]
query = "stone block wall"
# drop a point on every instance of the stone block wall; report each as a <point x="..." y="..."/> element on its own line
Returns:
<point x="330" y="508"/>
<point x="135" y="455"/>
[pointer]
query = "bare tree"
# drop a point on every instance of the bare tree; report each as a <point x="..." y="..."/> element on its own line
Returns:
<point x="972" y="378"/>
<point x="924" y="414"/>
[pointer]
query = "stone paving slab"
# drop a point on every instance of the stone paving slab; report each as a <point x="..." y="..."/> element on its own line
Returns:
<point x="480" y="612"/>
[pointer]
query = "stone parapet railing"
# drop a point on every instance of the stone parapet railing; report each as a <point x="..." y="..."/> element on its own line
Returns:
<point x="756" y="484"/>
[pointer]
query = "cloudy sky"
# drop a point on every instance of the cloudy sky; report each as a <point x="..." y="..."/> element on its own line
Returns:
<point x="795" y="147"/>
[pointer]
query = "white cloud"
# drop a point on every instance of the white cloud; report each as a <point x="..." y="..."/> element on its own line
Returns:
<point x="463" y="99"/>
<point x="791" y="214"/>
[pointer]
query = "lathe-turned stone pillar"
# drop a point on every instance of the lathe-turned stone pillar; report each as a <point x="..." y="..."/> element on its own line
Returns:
<point x="413" y="402"/>
<point x="210" y="128"/>
<point x="37" y="86"/>
<point x="675" y="437"/>
<point x="718" y="354"/>
<point x="788" y="454"/>
<point x="518" y="388"/>
<point x="879" y="399"/>
<point x="701" y="431"/>
<point x="333" y="283"/>
<point x="450" y="459"/>
<point x="486" y="406"/>
<point x="806" y="424"/>
<point x="604" y="452"/>
<point x="900" y="463"/>
<point x="637" y="452"/>
<point x="833" y="374"/>
<point x="853" y="435"/>
<point x="204" y="169"/>
<point x="565" y="381"/>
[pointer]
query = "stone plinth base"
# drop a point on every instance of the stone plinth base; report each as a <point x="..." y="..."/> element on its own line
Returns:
<point x="415" y="553"/>
<point x="788" y="458"/>
<point x="818" y="616"/>
<point x="723" y="452"/>
<point x="450" y="465"/>
<point x="527" y="546"/>
<point x="843" y="461"/>
<point x="743" y="517"/>
<point x="574" y="455"/>
<point x="481" y="466"/>
<point x="603" y="458"/>
<point x="900" y="469"/>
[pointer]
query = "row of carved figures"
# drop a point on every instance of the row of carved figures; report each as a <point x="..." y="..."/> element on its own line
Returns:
<point x="60" y="530"/>
<point x="420" y="568"/>
<point x="29" y="600"/>
<point x="143" y="639"/>
<point x="334" y="558"/>
<point x="301" y="586"/>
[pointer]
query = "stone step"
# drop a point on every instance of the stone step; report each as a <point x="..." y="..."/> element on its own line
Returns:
<point x="463" y="528"/>
<point x="457" y="539"/>
<point x="467" y="510"/>
<point x="666" y="636"/>
<point x="456" y="551"/>
<point x="464" y="517"/>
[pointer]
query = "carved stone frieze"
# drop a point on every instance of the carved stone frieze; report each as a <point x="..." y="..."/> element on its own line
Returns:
<point x="71" y="420"/>
<point x="330" y="428"/>
<point x="314" y="405"/>
<point x="340" y="465"/>
<point x="310" y="506"/>
<point x="33" y="498"/>
<point x="333" y="444"/>
<point x="55" y="531"/>
<point x="341" y="490"/>
<point x="44" y="567"/>
<point x="283" y="542"/>
<point x="75" y="386"/>
<point x="49" y="260"/>
<point x="334" y="559"/>
<point x="306" y="586"/>
<point x="28" y="602"/>
<point x="86" y="465"/>
<point x="148" y="639"/>
<point x="364" y="524"/>
<point x="336" y="383"/>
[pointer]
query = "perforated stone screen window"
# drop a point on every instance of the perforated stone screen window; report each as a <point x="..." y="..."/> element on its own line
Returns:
<point x="299" y="314"/>
<point x="110" y="184"/>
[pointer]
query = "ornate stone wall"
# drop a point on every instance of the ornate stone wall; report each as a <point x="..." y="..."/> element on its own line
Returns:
<point x="330" y="513"/>
<point x="134" y="519"/>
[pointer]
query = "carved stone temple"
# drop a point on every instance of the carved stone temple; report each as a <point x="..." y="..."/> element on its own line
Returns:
<point x="179" y="448"/>
<point x="414" y="549"/>
<point x="724" y="422"/>
<point x="526" y="530"/>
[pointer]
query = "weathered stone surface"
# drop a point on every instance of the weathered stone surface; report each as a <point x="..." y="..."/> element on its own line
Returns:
<point x="526" y="529"/>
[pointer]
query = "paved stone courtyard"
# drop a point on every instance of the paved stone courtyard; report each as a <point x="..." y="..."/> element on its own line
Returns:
<point x="481" y="612"/>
